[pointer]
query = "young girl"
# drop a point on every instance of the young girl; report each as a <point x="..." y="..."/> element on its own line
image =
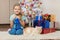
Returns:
<point x="16" y="22"/>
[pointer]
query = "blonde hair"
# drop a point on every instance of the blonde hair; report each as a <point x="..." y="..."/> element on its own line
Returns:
<point x="17" y="4"/>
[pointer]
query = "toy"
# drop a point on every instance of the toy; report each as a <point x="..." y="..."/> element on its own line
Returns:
<point x="17" y="28"/>
<point x="31" y="30"/>
<point x="52" y="17"/>
<point x="28" y="30"/>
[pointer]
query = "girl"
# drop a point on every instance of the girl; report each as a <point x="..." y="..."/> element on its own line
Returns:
<point x="16" y="22"/>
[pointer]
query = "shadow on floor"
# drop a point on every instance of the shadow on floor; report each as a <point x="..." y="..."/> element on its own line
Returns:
<point x="4" y="27"/>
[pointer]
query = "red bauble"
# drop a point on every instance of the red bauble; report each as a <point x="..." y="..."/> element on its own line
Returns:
<point x="30" y="15"/>
<point x="22" y="3"/>
<point x="46" y="15"/>
<point x="40" y="2"/>
<point x="32" y="5"/>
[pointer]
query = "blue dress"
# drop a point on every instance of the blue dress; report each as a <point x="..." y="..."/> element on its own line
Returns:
<point x="17" y="28"/>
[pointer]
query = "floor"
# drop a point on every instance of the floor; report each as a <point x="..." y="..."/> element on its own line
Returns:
<point x="4" y="35"/>
<point x="4" y="27"/>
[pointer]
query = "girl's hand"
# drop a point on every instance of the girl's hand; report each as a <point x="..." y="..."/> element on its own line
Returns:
<point x="22" y="23"/>
<point x="19" y="17"/>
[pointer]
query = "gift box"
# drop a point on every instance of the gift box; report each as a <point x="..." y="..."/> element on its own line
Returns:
<point x="48" y="30"/>
<point x="47" y="24"/>
<point x="52" y="30"/>
<point x="45" y="31"/>
<point x="38" y="18"/>
<point x="38" y="21"/>
<point x="51" y="25"/>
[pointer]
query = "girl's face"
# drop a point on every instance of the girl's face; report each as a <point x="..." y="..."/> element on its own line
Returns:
<point x="17" y="9"/>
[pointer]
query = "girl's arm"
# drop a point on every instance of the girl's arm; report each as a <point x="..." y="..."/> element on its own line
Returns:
<point x="22" y="23"/>
<point x="11" y="24"/>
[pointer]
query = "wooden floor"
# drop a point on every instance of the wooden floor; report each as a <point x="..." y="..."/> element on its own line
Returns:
<point x="4" y="27"/>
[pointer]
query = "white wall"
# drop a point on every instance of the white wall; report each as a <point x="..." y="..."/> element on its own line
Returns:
<point x="53" y="6"/>
<point x="12" y="2"/>
<point x="6" y="9"/>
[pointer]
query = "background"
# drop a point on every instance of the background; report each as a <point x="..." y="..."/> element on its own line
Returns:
<point x="50" y="6"/>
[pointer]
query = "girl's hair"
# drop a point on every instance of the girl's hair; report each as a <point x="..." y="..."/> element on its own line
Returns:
<point x="17" y="4"/>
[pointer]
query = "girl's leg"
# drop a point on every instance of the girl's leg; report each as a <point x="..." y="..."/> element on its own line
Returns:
<point x="12" y="32"/>
<point x="19" y="32"/>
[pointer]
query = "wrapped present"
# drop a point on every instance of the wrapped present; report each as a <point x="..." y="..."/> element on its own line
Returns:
<point x="37" y="21"/>
<point x="47" y="24"/>
<point x="45" y="30"/>
<point x="52" y="17"/>
<point x="38" y="18"/>
<point x="52" y="25"/>
<point x="52" y="30"/>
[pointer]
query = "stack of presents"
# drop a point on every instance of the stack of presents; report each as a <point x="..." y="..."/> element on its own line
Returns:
<point x="32" y="9"/>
